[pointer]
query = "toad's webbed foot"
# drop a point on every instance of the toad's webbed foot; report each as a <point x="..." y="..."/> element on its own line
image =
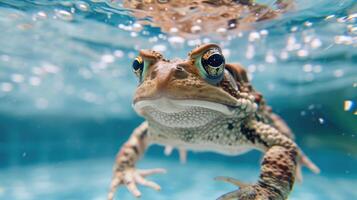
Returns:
<point x="252" y="192"/>
<point x="125" y="172"/>
<point x="130" y="178"/>
<point x="259" y="191"/>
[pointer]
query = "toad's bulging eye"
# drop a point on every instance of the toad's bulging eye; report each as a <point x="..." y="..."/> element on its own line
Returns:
<point x="138" y="66"/>
<point x="212" y="62"/>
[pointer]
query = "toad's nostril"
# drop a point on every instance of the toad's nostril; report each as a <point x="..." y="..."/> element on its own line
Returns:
<point x="180" y="73"/>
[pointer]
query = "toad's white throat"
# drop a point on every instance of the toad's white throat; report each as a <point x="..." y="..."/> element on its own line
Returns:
<point x="182" y="113"/>
<point x="167" y="105"/>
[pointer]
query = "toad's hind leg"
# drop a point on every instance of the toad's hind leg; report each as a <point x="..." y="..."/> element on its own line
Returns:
<point x="278" y="168"/>
<point x="276" y="178"/>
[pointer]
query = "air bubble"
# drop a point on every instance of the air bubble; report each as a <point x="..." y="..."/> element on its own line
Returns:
<point x="137" y="27"/>
<point x="292" y="44"/>
<point x="17" y="78"/>
<point x="107" y="58"/>
<point x="321" y="120"/>
<point x="41" y="15"/>
<point x="153" y="39"/>
<point x="307" y="68"/>
<point x="221" y="30"/>
<point x="252" y="68"/>
<point x="6" y="87"/>
<point x="35" y="81"/>
<point x="66" y="3"/>
<point x="343" y="39"/>
<point x="174" y="40"/>
<point x="159" y="48"/>
<point x="303" y="113"/>
<point x="352" y="29"/>
<point x="338" y="73"/>
<point x="194" y="42"/>
<point x="253" y="36"/>
<point x="82" y="6"/>
<point x="174" y="30"/>
<point x="264" y="32"/>
<point x="294" y="29"/>
<point x="352" y="16"/>
<point x="206" y="40"/>
<point x="250" y="52"/>
<point x="134" y="34"/>
<point x="5" y="58"/>
<point x="118" y="53"/>
<point x="270" y="58"/>
<point x="195" y="29"/>
<point x="50" y="68"/>
<point x="315" y="43"/>
<point x="64" y="15"/>
<point x="302" y="53"/>
<point x="37" y="71"/>
<point x="342" y="19"/>
<point x="308" y="24"/>
<point x="330" y="17"/>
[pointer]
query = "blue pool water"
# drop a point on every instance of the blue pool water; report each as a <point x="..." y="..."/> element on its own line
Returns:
<point x="66" y="86"/>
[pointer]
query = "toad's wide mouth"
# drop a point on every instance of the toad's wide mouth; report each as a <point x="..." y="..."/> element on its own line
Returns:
<point x="167" y="105"/>
<point x="182" y="113"/>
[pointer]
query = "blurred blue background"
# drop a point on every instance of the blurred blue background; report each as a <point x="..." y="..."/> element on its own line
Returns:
<point x="66" y="87"/>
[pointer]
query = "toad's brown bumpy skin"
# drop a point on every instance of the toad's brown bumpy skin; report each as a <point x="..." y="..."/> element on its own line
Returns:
<point x="204" y="17"/>
<point x="184" y="110"/>
<point x="124" y="168"/>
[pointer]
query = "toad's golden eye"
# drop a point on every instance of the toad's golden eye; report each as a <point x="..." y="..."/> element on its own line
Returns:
<point x="213" y="63"/>
<point x="138" y="66"/>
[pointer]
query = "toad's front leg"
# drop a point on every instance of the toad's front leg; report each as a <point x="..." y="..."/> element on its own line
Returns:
<point x="124" y="172"/>
<point x="278" y="167"/>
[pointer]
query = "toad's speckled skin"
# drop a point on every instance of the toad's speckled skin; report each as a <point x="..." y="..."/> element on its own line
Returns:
<point x="183" y="110"/>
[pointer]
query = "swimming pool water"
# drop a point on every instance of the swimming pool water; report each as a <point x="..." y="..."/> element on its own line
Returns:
<point x="66" y="86"/>
<point x="89" y="179"/>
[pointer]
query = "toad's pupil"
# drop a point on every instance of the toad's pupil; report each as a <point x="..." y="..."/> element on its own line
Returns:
<point x="137" y="65"/>
<point x="215" y="60"/>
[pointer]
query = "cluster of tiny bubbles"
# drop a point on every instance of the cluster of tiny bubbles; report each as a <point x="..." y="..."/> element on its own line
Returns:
<point x="255" y="40"/>
<point x="45" y="75"/>
<point x="301" y="43"/>
<point x="313" y="113"/>
<point x="349" y="24"/>
<point x="311" y="70"/>
<point x="66" y="12"/>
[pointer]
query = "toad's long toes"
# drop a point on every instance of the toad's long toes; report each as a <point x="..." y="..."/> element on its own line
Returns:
<point x="229" y="196"/>
<point x="232" y="181"/>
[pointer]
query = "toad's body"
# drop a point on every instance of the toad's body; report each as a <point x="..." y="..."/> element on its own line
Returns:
<point x="204" y="104"/>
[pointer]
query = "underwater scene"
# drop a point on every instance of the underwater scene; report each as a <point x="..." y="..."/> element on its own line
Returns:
<point x="243" y="99"/>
